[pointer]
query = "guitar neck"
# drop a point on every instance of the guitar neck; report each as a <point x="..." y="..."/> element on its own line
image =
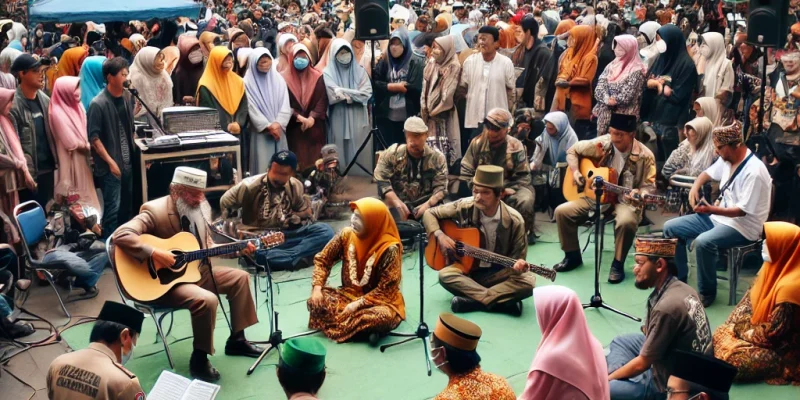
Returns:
<point x="216" y="251"/>
<point x="494" y="258"/>
<point x="621" y="190"/>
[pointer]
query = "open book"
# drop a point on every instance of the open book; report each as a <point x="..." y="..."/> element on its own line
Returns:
<point x="170" y="386"/>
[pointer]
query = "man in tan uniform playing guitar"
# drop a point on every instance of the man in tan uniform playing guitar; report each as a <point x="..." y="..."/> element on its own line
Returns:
<point x="186" y="209"/>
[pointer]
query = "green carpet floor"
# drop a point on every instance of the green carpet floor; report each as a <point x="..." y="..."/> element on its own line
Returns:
<point x="358" y="371"/>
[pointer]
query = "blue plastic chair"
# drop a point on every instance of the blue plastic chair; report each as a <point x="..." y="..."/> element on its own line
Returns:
<point x="31" y="222"/>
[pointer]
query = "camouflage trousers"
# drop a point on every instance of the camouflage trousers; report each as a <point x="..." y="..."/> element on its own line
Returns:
<point x="523" y="201"/>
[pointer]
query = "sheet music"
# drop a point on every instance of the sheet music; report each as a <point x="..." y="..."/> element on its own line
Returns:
<point x="200" y="390"/>
<point x="169" y="386"/>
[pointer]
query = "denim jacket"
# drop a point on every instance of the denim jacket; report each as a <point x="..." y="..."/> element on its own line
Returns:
<point x="22" y="119"/>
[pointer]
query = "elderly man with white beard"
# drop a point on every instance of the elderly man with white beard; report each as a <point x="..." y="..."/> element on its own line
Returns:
<point x="186" y="209"/>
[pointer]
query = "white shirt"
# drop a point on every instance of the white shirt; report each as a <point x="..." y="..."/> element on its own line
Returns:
<point x="750" y="192"/>
<point x="489" y="229"/>
<point x="486" y="92"/>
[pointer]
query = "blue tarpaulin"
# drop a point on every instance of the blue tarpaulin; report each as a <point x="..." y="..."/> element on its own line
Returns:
<point x="101" y="11"/>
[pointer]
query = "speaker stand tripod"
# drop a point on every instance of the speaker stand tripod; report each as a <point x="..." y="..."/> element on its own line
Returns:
<point x="597" y="300"/>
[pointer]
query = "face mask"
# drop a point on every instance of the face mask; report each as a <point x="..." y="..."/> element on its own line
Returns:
<point x="344" y="58"/>
<point x="396" y="50"/>
<point x="300" y="63"/>
<point x="356" y="224"/>
<point x="661" y="46"/>
<point x="195" y="57"/>
<point x="619" y="52"/>
<point x="127" y="357"/>
<point x="765" y="252"/>
<point x="435" y="353"/>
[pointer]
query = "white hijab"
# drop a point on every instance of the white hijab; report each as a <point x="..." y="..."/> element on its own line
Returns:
<point x="649" y="53"/>
<point x="155" y="88"/>
<point x="716" y="63"/>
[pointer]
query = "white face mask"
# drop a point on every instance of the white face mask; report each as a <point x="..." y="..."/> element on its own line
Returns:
<point x="127" y="357"/>
<point x="195" y="57"/>
<point x="765" y="252"/>
<point x="661" y="46"/>
<point x="344" y="57"/>
<point x="357" y="223"/>
<point x="436" y="353"/>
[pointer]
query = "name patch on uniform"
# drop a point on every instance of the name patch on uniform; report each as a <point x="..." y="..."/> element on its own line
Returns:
<point x="78" y="380"/>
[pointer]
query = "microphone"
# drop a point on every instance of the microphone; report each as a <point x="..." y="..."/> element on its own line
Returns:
<point x="128" y="85"/>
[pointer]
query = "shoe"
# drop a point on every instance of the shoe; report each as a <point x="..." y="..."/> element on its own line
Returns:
<point x="203" y="370"/>
<point x="304" y="262"/>
<point x="461" y="304"/>
<point x="242" y="348"/>
<point x="568" y="264"/>
<point x="532" y="238"/>
<point x="89" y="293"/>
<point x="617" y="273"/>
<point x="513" y="308"/>
<point x="375" y="337"/>
<point x="707" y="300"/>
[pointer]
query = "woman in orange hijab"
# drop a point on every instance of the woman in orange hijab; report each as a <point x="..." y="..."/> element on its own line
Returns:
<point x="369" y="300"/>
<point x="69" y="65"/>
<point x="222" y="89"/>
<point x="576" y="72"/>
<point x="762" y="336"/>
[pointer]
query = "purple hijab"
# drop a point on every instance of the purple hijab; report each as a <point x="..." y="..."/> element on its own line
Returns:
<point x="265" y="91"/>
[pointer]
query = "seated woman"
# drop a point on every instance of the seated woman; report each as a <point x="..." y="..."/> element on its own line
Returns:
<point x="695" y="153"/>
<point x="220" y="88"/>
<point x="369" y="300"/>
<point x="762" y="336"/>
<point x="569" y="363"/>
<point x="149" y="76"/>
<point x="550" y="155"/>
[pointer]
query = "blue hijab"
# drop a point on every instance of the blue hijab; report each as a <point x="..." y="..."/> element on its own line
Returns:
<point x="92" y="81"/>
<point x="566" y="137"/>
<point x="401" y="63"/>
<point x="16" y="44"/>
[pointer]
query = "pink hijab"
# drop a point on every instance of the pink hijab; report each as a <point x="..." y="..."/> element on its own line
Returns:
<point x="68" y="123"/>
<point x="568" y="351"/>
<point x="15" y="148"/>
<point x="620" y="68"/>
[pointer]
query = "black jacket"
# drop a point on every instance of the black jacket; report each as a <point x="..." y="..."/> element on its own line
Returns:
<point x="381" y="80"/>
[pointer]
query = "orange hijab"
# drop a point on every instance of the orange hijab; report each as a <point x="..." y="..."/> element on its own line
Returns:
<point x="69" y="64"/>
<point x="380" y="229"/>
<point x="584" y="37"/>
<point x="564" y="26"/>
<point x="226" y="87"/>
<point x="779" y="280"/>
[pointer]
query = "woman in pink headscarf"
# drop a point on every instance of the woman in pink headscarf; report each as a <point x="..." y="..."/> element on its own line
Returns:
<point x="13" y="168"/>
<point x="569" y="363"/>
<point x="620" y="86"/>
<point x="68" y="124"/>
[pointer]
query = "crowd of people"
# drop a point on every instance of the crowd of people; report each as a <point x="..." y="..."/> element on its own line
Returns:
<point x="487" y="111"/>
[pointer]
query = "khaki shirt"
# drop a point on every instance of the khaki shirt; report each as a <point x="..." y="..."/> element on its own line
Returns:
<point x="251" y="194"/>
<point x="510" y="156"/>
<point x="91" y="373"/>
<point x="395" y="173"/>
<point x="640" y="167"/>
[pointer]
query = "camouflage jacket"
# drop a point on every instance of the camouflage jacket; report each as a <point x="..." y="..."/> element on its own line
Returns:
<point x="511" y="156"/>
<point x="413" y="182"/>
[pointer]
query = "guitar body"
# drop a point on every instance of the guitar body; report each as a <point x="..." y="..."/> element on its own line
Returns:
<point x="572" y="191"/>
<point x="137" y="279"/>
<point x="437" y="260"/>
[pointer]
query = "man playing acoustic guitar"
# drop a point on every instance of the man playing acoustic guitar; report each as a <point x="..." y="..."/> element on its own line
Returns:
<point x="186" y="209"/>
<point x="488" y="287"/>
<point x="636" y="168"/>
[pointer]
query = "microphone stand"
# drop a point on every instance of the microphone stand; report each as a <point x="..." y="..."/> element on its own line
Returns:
<point x="150" y="112"/>
<point x="597" y="300"/>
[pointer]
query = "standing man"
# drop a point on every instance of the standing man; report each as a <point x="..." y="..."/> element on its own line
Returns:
<point x="97" y="372"/>
<point x="454" y="344"/>
<point x="110" y="128"/>
<point x="186" y="209"/>
<point x="487" y="80"/>
<point x="275" y="201"/>
<point x="639" y="364"/>
<point x="736" y="219"/>
<point x="411" y="177"/>
<point x="30" y="116"/>
<point x="496" y="147"/>
<point x="301" y="368"/>
<point x="487" y="287"/>
<point x="636" y="168"/>
<point x="533" y="57"/>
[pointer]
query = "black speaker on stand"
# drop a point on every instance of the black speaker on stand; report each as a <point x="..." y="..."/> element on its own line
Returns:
<point x="768" y="23"/>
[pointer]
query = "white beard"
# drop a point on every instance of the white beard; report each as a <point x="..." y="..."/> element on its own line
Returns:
<point x="198" y="217"/>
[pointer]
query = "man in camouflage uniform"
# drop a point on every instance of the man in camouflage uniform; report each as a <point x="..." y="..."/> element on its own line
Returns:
<point x="411" y="177"/>
<point x="275" y="201"/>
<point x="495" y="147"/>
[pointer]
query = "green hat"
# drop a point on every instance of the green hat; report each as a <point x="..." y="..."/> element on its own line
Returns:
<point x="304" y="354"/>
<point x="490" y="176"/>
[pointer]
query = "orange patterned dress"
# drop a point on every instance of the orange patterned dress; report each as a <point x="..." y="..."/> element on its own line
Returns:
<point x="477" y="385"/>
<point x="378" y="285"/>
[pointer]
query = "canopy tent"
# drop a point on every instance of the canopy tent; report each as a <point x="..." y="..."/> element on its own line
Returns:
<point x="73" y="11"/>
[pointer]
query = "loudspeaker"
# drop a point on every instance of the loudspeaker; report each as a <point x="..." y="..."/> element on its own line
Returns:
<point x="768" y="24"/>
<point x="372" y="19"/>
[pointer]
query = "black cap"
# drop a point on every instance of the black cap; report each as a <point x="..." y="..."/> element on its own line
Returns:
<point x="623" y="122"/>
<point x="490" y="30"/>
<point x="122" y="314"/>
<point x="285" y="158"/>
<point x="703" y="370"/>
<point x="24" y="62"/>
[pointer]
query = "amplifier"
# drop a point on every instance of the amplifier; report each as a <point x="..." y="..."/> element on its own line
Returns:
<point x="181" y="119"/>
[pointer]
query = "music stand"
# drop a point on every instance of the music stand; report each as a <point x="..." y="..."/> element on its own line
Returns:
<point x="374" y="132"/>
<point x="422" y="331"/>
<point x="597" y="300"/>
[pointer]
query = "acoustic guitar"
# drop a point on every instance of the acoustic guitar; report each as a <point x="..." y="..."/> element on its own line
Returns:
<point x="611" y="191"/>
<point x="143" y="283"/>
<point x="468" y="251"/>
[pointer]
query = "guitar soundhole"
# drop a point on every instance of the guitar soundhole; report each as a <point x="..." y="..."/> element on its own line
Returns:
<point x="167" y="275"/>
<point x="590" y="174"/>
